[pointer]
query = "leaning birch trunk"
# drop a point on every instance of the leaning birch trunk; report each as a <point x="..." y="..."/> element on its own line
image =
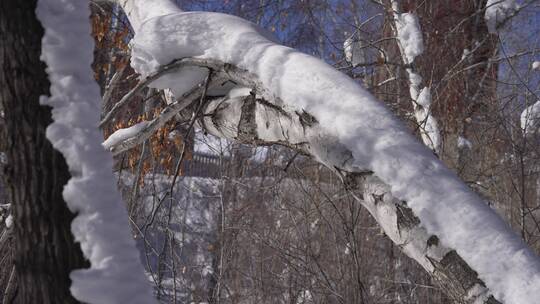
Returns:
<point x="455" y="277"/>
<point x="426" y="211"/>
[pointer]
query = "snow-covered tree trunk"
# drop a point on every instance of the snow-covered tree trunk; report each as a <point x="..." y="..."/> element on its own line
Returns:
<point x="243" y="86"/>
<point x="45" y="250"/>
<point x="411" y="45"/>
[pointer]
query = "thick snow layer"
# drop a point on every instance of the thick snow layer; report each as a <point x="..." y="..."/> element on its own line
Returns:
<point x="530" y="118"/>
<point x="123" y="134"/>
<point x="138" y="13"/>
<point x="101" y="226"/>
<point x="498" y="11"/>
<point x="409" y="35"/>
<point x="9" y="221"/>
<point x="424" y="98"/>
<point x="429" y="128"/>
<point x="411" y="44"/>
<point x="354" y="118"/>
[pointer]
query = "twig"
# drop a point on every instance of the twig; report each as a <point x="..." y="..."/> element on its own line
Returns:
<point x="222" y="69"/>
<point x="291" y="161"/>
<point x="7" y="291"/>
<point x="110" y="87"/>
<point x="167" y="114"/>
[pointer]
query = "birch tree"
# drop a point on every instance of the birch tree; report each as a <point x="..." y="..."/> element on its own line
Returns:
<point x="231" y="79"/>
<point x="235" y="82"/>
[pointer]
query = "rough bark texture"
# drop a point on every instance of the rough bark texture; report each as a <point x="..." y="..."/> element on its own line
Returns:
<point x="45" y="252"/>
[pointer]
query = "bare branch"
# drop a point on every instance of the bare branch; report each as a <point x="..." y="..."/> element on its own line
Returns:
<point x="152" y="126"/>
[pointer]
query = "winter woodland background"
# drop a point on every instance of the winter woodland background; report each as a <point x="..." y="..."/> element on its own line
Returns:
<point x="219" y="222"/>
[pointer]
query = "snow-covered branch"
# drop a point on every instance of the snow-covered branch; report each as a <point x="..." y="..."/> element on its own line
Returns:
<point x="411" y="45"/>
<point x="293" y="99"/>
<point x="125" y="139"/>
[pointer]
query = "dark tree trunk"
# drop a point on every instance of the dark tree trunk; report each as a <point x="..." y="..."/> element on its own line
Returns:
<point x="44" y="249"/>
